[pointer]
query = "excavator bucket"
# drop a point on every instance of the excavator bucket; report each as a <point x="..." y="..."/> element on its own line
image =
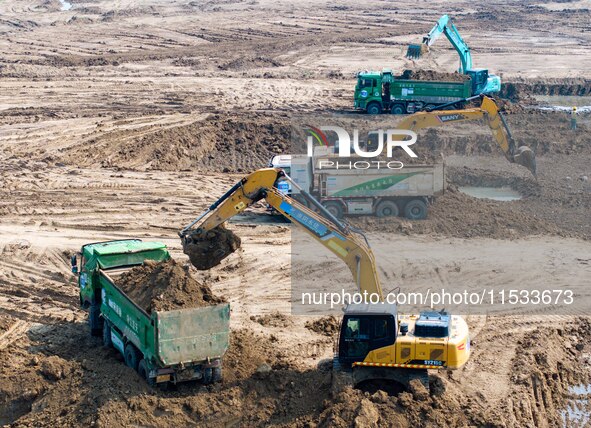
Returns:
<point x="415" y="51"/>
<point x="527" y="158"/>
<point x="207" y="249"/>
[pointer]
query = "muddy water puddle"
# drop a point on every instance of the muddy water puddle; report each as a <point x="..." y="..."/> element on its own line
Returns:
<point x="564" y="102"/>
<point x="504" y="194"/>
<point x="578" y="408"/>
<point x="66" y="5"/>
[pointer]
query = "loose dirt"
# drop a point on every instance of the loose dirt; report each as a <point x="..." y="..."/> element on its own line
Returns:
<point x="421" y="74"/>
<point x="328" y="326"/>
<point x="207" y="249"/>
<point x="165" y="286"/>
<point x="62" y="364"/>
<point x="163" y="106"/>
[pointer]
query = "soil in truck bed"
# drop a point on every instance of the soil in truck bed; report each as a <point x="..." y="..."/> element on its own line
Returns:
<point x="165" y="286"/>
<point x="433" y="75"/>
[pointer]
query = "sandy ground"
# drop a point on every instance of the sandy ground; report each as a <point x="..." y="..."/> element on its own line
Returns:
<point x="127" y="119"/>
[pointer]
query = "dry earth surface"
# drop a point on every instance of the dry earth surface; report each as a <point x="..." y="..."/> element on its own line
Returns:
<point x="126" y="119"/>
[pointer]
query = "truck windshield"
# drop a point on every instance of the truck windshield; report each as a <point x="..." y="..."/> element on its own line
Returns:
<point x="366" y="83"/>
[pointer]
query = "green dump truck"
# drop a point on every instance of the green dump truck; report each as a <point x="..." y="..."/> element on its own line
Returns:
<point x="381" y="92"/>
<point x="166" y="346"/>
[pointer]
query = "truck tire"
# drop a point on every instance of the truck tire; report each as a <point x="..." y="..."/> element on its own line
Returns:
<point x="335" y="208"/>
<point x="217" y="375"/>
<point x="398" y="109"/>
<point x="142" y="369"/>
<point x="374" y="108"/>
<point x="107" y="342"/>
<point x="415" y="210"/>
<point x="132" y="356"/>
<point x="387" y="209"/>
<point x="94" y="319"/>
<point x="207" y="376"/>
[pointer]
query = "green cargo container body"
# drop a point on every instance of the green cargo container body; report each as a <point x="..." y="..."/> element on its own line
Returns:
<point x="381" y="92"/>
<point x="430" y="92"/>
<point x="183" y="336"/>
<point x="175" y="345"/>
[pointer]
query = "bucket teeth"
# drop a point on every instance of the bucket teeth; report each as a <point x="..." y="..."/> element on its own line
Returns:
<point x="413" y="52"/>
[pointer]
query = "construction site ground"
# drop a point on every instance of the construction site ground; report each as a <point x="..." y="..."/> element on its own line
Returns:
<point x="127" y="119"/>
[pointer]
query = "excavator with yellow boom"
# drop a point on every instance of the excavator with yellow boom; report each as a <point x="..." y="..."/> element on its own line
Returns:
<point x="375" y="342"/>
<point x="489" y="111"/>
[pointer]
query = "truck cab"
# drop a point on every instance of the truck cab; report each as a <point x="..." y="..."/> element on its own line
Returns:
<point x="371" y="91"/>
<point x="111" y="256"/>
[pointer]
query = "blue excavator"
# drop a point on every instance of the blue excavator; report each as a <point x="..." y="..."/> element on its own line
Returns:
<point x="485" y="82"/>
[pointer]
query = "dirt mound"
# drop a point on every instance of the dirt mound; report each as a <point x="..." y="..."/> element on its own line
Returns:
<point x="537" y="391"/>
<point x="208" y="249"/>
<point x="249" y="62"/>
<point x="165" y="286"/>
<point x="433" y="75"/>
<point x="219" y="143"/>
<point x="459" y="215"/>
<point x="522" y="90"/>
<point x="65" y="377"/>
<point x="328" y="326"/>
<point x="275" y="319"/>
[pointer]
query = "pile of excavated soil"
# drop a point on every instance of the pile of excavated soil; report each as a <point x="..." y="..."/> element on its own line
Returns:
<point x="274" y="319"/>
<point x="59" y="375"/>
<point x="208" y="249"/>
<point x="165" y="286"/>
<point x="219" y="143"/>
<point x="433" y="75"/>
<point x="523" y="90"/>
<point x="328" y="326"/>
<point x="455" y="214"/>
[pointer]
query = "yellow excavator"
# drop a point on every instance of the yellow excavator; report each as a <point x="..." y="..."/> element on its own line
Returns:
<point x="375" y="342"/>
<point x="489" y="111"/>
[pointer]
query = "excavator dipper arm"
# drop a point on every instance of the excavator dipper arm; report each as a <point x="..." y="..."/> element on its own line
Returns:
<point x="347" y="244"/>
<point x="488" y="111"/>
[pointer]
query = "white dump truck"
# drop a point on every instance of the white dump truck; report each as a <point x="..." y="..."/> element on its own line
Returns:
<point x="365" y="188"/>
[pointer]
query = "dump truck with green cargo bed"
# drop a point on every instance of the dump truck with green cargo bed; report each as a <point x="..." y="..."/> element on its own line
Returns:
<point x="163" y="346"/>
<point x="382" y="92"/>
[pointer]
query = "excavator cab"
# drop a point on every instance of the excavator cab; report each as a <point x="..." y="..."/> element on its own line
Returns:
<point x="365" y="327"/>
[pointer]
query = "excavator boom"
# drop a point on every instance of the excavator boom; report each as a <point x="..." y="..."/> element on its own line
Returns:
<point x="375" y="342"/>
<point x="488" y="111"/>
<point x="208" y="242"/>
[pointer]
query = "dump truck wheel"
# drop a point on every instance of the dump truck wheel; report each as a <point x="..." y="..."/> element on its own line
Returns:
<point x="398" y="109"/>
<point x="387" y="209"/>
<point x="415" y="210"/>
<point x="217" y="374"/>
<point x="374" y="108"/>
<point x="335" y="208"/>
<point x="207" y="376"/>
<point x="143" y="371"/>
<point x="107" y="342"/>
<point x="94" y="319"/>
<point x="132" y="356"/>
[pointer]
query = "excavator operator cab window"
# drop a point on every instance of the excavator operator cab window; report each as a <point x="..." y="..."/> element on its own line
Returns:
<point x="363" y="333"/>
